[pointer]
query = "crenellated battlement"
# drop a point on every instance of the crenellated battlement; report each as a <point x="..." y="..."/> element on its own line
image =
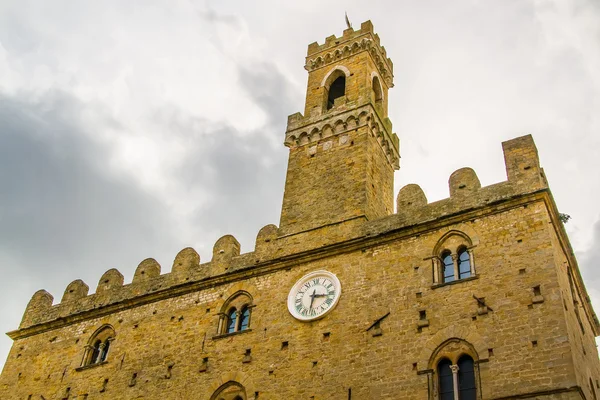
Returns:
<point x="351" y="42"/>
<point x="273" y="249"/>
<point x="314" y="130"/>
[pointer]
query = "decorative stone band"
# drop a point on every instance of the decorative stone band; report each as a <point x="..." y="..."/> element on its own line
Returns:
<point x="360" y="45"/>
<point x="343" y="123"/>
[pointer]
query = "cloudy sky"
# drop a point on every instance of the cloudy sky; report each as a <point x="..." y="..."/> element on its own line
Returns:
<point x="133" y="129"/>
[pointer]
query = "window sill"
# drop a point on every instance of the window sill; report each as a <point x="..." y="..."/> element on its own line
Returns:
<point x="89" y="366"/>
<point x="471" y="278"/>
<point x="224" y="335"/>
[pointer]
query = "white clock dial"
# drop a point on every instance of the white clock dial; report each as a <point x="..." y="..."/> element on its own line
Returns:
<point x="314" y="295"/>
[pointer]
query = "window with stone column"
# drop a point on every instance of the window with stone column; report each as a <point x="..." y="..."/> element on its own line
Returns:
<point x="453" y="258"/>
<point x="97" y="349"/>
<point x="456" y="372"/>
<point x="235" y="315"/>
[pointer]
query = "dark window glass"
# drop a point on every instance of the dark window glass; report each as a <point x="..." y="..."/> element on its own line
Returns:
<point x="464" y="264"/>
<point x="104" y="351"/>
<point x="448" y="267"/>
<point x="232" y="317"/>
<point x="466" y="379"/>
<point x="337" y="89"/>
<point x="244" y="318"/>
<point x="446" y="383"/>
<point x="95" y="352"/>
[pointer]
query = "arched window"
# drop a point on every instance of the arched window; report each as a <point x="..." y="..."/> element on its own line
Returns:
<point x="336" y="90"/>
<point x="231" y="320"/>
<point x="457" y="371"/>
<point x="464" y="263"/>
<point x="446" y="384"/>
<point x="230" y="390"/>
<point x="377" y="92"/>
<point x="448" y="267"/>
<point x="97" y="349"/>
<point x="236" y="314"/>
<point x="466" y="379"/>
<point x="452" y="258"/>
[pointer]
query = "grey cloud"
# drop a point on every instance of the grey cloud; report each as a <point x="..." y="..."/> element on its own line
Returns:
<point x="242" y="172"/>
<point x="63" y="215"/>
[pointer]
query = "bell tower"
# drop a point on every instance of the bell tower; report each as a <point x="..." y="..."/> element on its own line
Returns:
<point x="342" y="150"/>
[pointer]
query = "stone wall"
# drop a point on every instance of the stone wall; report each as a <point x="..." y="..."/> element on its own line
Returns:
<point x="167" y="343"/>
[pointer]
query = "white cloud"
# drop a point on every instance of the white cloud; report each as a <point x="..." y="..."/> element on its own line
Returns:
<point x="181" y="107"/>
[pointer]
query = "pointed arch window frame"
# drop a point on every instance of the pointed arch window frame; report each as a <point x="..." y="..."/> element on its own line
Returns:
<point x="454" y="350"/>
<point x="241" y="304"/>
<point x="329" y="78"/>
<point x="98" y="347"/>
<point x="441" y="251"/>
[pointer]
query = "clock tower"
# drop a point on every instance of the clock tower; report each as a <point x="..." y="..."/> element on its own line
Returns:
<point x="342" y="150"/>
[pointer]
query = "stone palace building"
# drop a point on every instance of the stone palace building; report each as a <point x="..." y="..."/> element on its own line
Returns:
<point x="477" y="296"/>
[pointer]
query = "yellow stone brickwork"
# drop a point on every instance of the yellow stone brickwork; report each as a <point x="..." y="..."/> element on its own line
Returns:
<point x="523" y="314"/>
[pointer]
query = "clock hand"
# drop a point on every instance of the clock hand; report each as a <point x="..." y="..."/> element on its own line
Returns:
<point x="312" y="298"/>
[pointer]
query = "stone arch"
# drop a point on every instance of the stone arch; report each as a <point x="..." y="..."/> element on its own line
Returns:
<point x="303" y="139"/>
<point x="98" y="345"/>
<point x="238" y="378"/>
<point x="459" y="238"/>
<point x="339" y="126"/>
<point x="351" y="122"/>
<point x="463" y="181"/>
<point x="235" y="290"/>
<point x="453" y="256"/>
<point x="410" y="197"/>
<point x="326" y="131"/>
<point x="452" y="352"/>
<point x="147" y="269"/>
<point x="75" y="290"/>
<point x="234" y="309"/>
<point x="452" y="349"/>
<point x="110" y="280"/>
<point x="333" y="74"/>
<point x="444" y="336"/>
<point x="315" y="134"/>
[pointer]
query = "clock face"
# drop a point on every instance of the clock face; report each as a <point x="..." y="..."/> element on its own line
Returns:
<point x="314" y="295"/>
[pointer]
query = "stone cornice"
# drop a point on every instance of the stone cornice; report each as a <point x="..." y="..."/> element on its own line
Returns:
<point x="302" y="131"/>
<point x="361" y="43"/>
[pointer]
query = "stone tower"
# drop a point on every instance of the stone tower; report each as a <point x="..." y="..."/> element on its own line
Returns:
<point x="342" y="150"/>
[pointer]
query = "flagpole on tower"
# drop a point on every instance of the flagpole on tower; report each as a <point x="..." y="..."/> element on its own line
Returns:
<point x="347" y="20"/>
